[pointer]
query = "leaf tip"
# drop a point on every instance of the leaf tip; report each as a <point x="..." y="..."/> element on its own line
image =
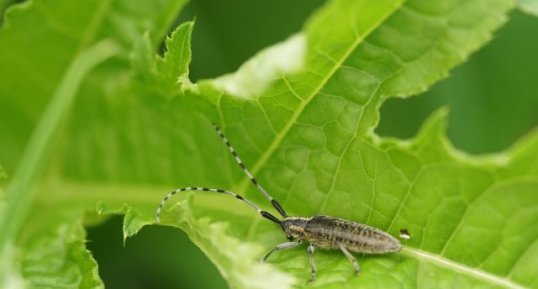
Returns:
<point x="177" y="56"/>
<point x="436" y="123"/>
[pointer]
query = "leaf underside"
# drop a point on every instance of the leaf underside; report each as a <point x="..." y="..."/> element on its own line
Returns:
<point x="308" y="138"/>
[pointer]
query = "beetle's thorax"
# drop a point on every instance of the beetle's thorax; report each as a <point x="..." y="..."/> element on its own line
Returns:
<point x="294" y="226"/>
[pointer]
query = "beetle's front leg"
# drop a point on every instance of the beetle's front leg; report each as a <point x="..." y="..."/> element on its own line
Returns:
<point x="283" y="246"/>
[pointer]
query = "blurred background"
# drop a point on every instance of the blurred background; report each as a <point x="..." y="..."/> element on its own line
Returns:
<point x="493" y="101"/>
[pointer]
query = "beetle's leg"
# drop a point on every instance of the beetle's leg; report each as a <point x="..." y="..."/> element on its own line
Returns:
<point x="310" y="250"/>
<point x="283" y="246"/>
<point x="351" y="259"/>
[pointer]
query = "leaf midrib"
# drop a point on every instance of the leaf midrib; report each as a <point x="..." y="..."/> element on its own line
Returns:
<point x="447" y="263"/>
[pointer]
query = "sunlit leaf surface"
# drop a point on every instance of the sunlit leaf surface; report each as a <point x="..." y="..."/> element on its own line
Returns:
<point x="303" y="124"/>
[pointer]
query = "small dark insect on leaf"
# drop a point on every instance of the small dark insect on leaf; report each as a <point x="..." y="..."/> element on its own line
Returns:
<point x="318" y="231"/>
<point x="404" y="234"/>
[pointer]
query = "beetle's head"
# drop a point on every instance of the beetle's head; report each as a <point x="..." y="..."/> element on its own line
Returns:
<point x="294" y="227"/>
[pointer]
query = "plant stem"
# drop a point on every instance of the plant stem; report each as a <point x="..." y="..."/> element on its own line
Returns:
<point x="20" y="192"/>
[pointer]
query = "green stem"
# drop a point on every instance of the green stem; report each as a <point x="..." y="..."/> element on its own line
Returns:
<point x="20" y="192"/>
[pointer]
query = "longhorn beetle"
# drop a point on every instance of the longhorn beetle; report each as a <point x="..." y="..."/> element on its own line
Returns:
<point x="319" y="231"/>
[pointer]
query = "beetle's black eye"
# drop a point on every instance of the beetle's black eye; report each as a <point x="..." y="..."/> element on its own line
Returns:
<point x="290" y="238"/>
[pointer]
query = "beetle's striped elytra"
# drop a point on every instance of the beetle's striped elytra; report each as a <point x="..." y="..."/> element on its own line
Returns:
<point x="329" y="232"/>
<point x="318" y="231"/>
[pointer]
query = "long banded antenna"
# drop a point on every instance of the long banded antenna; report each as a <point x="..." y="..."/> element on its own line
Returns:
<point x="275" y="204"/>
<point x="201" y="189"/>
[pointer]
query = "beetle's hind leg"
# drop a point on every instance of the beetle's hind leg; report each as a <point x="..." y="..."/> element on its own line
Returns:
<point x="351" y="259"/>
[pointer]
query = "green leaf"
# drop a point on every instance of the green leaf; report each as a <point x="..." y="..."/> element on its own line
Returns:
<point x="308" y="138"/>
<point x="482" y="118"/>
